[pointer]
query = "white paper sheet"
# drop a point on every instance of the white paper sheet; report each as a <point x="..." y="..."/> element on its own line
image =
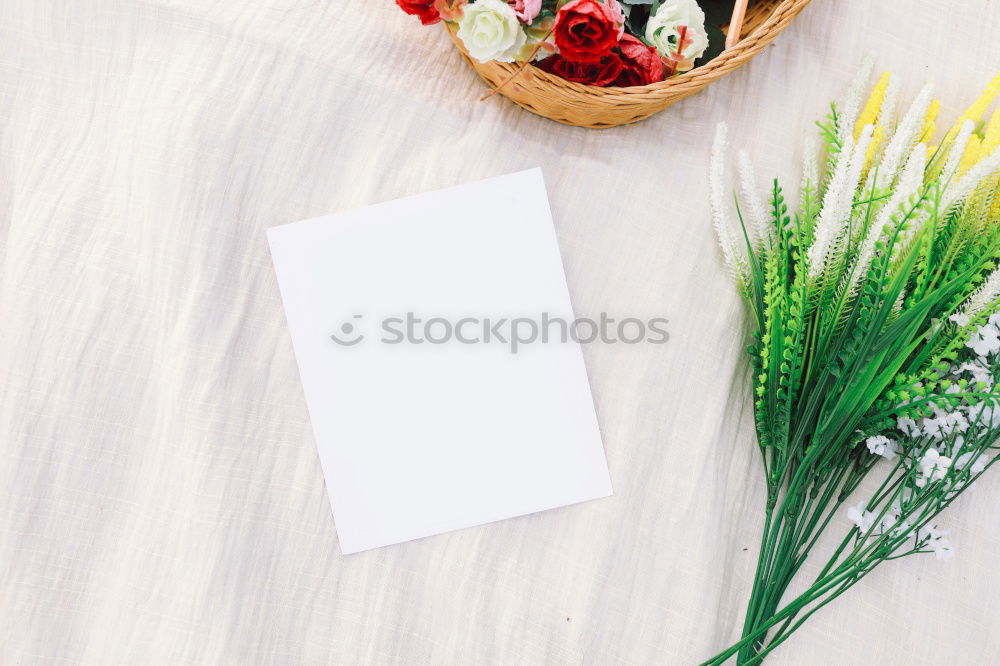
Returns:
<point x="428" y="413"/>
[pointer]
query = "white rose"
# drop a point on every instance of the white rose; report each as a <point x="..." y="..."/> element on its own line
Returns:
<point x="662" y="31"/>
<point x="490" y="31"/>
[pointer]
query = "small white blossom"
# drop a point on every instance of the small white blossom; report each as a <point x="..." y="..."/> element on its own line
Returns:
<point x="881" y="445"/>
<point x="985" y="415"/>
<point x="933" y="467"/>
<point x="935" y="540"/>
<point x="985" y="341"/>
<point x="907" y="426"/>
<point x="888" y="525"/>
<point x="902" y="527"/>
<point x="976" y="467"/>
<point x="944" y="424"/>
<point x="979" y="370"/>
<point x="863" y="519"/>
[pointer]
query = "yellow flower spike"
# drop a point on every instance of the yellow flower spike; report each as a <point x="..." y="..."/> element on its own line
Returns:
<point x="870" y="111"/>
<point x="873" y="146"/>
<point x="978" y="108"/>
<point x="991" y="138"/>
<point x="991" y="142"/>
<point x="971" y="154"/>
<point x="929" y="125"/>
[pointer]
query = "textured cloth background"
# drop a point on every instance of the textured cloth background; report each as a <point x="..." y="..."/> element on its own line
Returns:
<point x="162" y="501"/>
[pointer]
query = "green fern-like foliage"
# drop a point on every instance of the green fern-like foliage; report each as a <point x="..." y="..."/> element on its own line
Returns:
<point x="865" y="305"/>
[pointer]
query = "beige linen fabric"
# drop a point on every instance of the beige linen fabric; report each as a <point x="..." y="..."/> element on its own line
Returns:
<point x="162" y="500"/>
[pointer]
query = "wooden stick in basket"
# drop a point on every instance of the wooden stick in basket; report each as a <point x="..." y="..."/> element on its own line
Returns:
<point x="736" y="23"/>
<point x="521" y="68"/>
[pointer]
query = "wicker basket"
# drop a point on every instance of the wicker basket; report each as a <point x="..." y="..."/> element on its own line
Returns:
<point x="589" y="106"/>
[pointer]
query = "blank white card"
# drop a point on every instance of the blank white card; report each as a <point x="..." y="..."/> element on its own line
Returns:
<point x="427" y="418"/>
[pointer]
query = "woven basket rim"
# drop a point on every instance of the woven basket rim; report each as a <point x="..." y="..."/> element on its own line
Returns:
<point x="747" y="46"/>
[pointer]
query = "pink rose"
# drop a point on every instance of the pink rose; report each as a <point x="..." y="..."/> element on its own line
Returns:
<point x="450" y="10"/>
<point x="526" y="10"/>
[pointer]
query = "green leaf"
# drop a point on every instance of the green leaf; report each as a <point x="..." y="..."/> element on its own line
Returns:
<point x="716" y="44"/>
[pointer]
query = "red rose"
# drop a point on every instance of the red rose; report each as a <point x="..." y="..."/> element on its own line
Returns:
<point x="600" y="73"/>
<point x="641" y="64"/>
<point x="587" y="30"/>
<point x="423" y="9"/>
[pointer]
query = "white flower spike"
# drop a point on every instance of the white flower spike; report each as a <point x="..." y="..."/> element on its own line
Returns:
<point x="759" y="223"/>
<point x="731" y="252"/>
<point x="851" y="106"/>
<point x="902" y="139"/>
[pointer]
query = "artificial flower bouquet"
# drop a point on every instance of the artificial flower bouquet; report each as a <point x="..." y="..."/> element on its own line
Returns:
<point x="875" y="311"/>
<point x="596" y="42"/>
